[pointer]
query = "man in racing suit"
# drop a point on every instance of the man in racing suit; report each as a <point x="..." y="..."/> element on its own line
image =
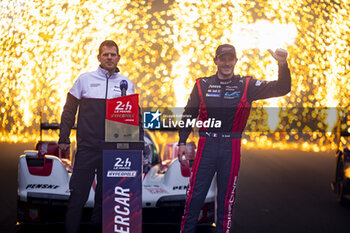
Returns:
<point x="227" y="98"/>
<point x="90" y="92"/>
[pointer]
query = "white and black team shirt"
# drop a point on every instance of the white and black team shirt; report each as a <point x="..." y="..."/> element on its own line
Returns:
<point x="89" y="94"/>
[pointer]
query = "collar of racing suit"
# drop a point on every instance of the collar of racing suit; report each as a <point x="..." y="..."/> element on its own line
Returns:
<point x="225" y="81"/>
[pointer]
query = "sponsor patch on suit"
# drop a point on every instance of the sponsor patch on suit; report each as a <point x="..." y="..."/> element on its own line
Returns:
<point x="214" y="91"/>
<point x="212" y="95"/>
<point x="232" y="94"/>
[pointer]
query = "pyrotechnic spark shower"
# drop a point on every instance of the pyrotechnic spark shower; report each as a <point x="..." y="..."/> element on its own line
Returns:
<point x="165" y="45"/>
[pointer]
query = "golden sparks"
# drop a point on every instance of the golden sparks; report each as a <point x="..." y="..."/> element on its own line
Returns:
<point x="165" y="45"/>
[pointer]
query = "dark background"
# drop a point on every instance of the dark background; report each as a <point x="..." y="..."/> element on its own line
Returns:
<point x="278" y="191"/>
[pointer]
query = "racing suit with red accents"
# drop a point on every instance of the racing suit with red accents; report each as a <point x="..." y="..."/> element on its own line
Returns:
<point x="219" y="149"/>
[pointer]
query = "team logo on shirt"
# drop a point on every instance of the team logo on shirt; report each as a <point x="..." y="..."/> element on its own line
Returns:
<point x="214" y="90"/>
<point x="214" y="86"/>
<point x="231" y="88"/>
<point x="225" y="83"/>
<point x="116" y="88"/>
<point x="95" y="84"/>
<point x="258" y="83"/>
<point x="212" y="95"/>
<point x="232" y="95"/>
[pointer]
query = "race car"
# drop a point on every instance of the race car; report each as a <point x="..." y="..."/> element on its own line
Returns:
<point x="341" y="183"/>
<point x="44" y="174"/>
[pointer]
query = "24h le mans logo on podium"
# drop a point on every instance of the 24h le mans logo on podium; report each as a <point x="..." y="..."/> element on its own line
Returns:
<point x="122" y="119"/>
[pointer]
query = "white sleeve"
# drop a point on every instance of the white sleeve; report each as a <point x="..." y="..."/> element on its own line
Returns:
<point x="76" y="90"/>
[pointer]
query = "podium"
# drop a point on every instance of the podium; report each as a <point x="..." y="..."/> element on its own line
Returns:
<point x="122" y="167"/>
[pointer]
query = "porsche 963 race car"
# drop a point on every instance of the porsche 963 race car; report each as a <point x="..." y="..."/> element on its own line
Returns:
<point x="341" y="183"/>
<point x="44" y="174"/>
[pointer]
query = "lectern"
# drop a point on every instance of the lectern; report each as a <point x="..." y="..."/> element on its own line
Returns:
<point x="122" y="167"/>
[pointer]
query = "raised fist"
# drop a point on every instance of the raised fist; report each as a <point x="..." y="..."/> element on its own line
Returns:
<point x="280" y="55"/>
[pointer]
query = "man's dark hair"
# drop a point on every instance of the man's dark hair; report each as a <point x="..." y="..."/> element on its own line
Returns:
<point x="108" y="43"/>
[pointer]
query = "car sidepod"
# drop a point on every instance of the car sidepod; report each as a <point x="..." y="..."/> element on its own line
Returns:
<point x="164" y="195"/>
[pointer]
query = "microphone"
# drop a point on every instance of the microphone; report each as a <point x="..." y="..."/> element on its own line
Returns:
<point x="123" y="87"/>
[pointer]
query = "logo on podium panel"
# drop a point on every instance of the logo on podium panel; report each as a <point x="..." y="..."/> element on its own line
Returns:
<point x="122" y="191"/>
<point x="122" y="119"/>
